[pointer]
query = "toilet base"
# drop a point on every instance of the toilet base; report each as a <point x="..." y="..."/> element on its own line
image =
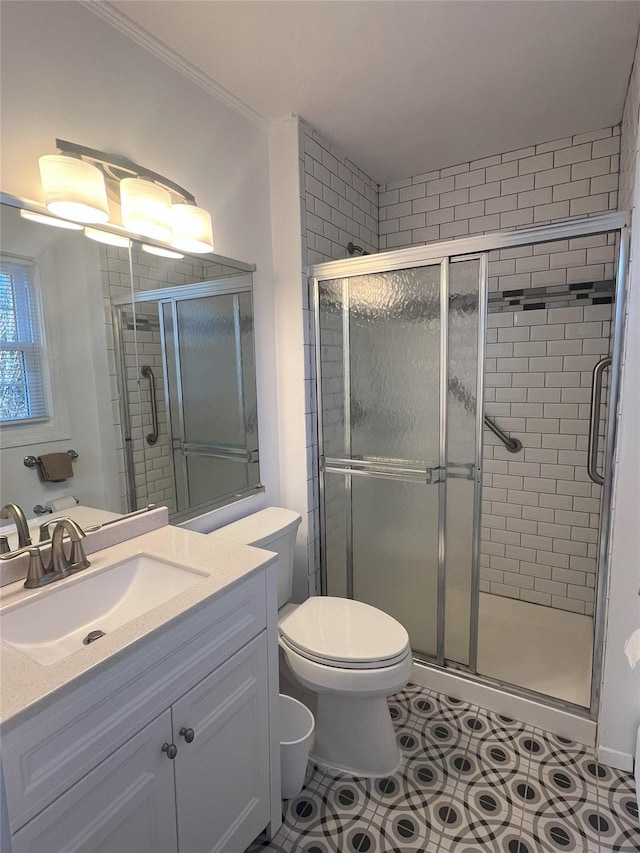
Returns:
<point x="355" y="735"/>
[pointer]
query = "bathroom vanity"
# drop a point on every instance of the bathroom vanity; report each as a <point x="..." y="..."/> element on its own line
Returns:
<point x="161" y="735"/>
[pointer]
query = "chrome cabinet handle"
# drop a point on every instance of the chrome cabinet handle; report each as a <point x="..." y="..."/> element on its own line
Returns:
<point x="187" y="734"/>
<point x="147" y="373"/>
<point x="171" y="749"/>
<point x="594" y="420"/>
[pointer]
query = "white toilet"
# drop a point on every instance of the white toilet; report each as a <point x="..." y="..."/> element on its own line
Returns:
<point x="352" y="655"/>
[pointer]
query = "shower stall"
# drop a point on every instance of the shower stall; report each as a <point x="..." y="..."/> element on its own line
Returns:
<point x="465" y="441"/>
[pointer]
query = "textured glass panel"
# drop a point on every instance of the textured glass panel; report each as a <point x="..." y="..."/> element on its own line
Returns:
<point x="211" y="478"/>
<point x="128" y="368"/>
<point x="337" y="532"/>
<point x="464" y="282"/>
<point x="245" y="307"/>
<point x="379" y="352"/>
<point x="395" y="563"/>
<point x="212" y="405"/>
<point x="394" y="336"/>
<point x="158" y="456"/>
<point x="334" y="324"/>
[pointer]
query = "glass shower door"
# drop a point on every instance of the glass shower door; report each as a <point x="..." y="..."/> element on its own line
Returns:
<point x="380" y="435"/>
<point x="208" y="348"/>
<point x="400" y="415"/>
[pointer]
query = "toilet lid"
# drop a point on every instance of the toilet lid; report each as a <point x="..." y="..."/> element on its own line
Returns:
<point x="345" y="633"/>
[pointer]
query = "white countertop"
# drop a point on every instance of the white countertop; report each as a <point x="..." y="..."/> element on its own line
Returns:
<point x="25" y="682"/>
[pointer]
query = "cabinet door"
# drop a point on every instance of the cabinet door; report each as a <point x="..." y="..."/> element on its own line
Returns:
<point x="222" y="776"/>
<point x="125" y="804"/>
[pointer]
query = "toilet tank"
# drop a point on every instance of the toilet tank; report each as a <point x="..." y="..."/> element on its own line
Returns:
<point x="273" y="529"/>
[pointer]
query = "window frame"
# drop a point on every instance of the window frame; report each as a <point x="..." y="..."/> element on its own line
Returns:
<point x="54" y="424"/>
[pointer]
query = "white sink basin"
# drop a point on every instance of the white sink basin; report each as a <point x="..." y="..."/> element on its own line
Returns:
<point x="52" y="624"/>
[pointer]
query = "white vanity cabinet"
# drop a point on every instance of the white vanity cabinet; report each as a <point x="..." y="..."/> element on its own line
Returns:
<point x="126" y="804"/>
<point x="88" y="773"/>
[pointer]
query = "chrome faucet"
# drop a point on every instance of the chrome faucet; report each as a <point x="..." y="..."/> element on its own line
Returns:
<point x="60" y="565"/>
<point x="14" y="512"/>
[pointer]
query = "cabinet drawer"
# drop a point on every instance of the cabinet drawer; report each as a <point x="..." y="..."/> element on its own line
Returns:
<point x="46" y="754"/>
<point x="127" y="803"/>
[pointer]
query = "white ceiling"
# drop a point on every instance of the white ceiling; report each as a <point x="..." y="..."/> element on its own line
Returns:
<point x="404" y="87"/>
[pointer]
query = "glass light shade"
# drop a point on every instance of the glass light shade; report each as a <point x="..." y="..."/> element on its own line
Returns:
<point x="162" y="253"/>
<point x="73" y="189"/>
<point x="43" y="219"/>
<point x="107" y="237"/>
<point x="146" y="209"/>
<point x="192" y="230"/>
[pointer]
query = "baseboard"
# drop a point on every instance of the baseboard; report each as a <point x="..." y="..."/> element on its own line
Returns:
<point x="615" y="758"/>
<point x="545" y="717"/>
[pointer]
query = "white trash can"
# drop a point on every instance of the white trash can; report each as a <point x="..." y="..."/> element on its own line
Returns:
<point x="297" y="728"/>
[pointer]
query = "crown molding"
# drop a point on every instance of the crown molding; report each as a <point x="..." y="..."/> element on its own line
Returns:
<point x="120" y="21"/>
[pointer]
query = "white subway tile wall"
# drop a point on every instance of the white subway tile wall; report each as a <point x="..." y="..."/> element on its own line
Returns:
<point x="629" y="140"/>
<point x="540" y="509"/>
<point x="576" y="176"/>
<point x="340" y="201"/>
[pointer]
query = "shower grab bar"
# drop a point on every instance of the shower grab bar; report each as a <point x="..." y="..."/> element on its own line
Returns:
<point x="147" y="373"/>
<point x="594" y="420"/>
<point x="513" y="445"/>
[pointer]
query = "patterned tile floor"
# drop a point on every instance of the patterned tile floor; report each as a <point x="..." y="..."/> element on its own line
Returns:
<point x="470" y="781"/>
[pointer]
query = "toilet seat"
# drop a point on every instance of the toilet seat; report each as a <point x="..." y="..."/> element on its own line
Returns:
<point x="344" y="633"/>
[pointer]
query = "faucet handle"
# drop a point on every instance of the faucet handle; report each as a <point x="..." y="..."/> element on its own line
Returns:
<point x="4" y="545"/>
<point x="45" y="534"/>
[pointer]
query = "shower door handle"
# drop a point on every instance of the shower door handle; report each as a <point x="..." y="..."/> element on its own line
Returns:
<point x="385" y="469"/>
<point x="147" y="373"/>
<point x="594" y="420"/>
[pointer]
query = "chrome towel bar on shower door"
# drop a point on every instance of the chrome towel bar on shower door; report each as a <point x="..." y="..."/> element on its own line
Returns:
<point x="594" y="420"/>
<point x="147" y="373"/>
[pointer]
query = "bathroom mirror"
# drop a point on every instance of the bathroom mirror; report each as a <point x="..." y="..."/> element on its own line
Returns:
<point x="80" y="322"/>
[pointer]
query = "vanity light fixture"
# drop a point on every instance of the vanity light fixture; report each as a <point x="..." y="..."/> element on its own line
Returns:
<point x="161" y="252"/>
<point x="108" y="237"/>
<point x="43" y="219"/>
<point x="77" y="181"/>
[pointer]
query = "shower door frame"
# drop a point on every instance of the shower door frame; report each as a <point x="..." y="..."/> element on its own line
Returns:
<point x="465" y="249"/>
